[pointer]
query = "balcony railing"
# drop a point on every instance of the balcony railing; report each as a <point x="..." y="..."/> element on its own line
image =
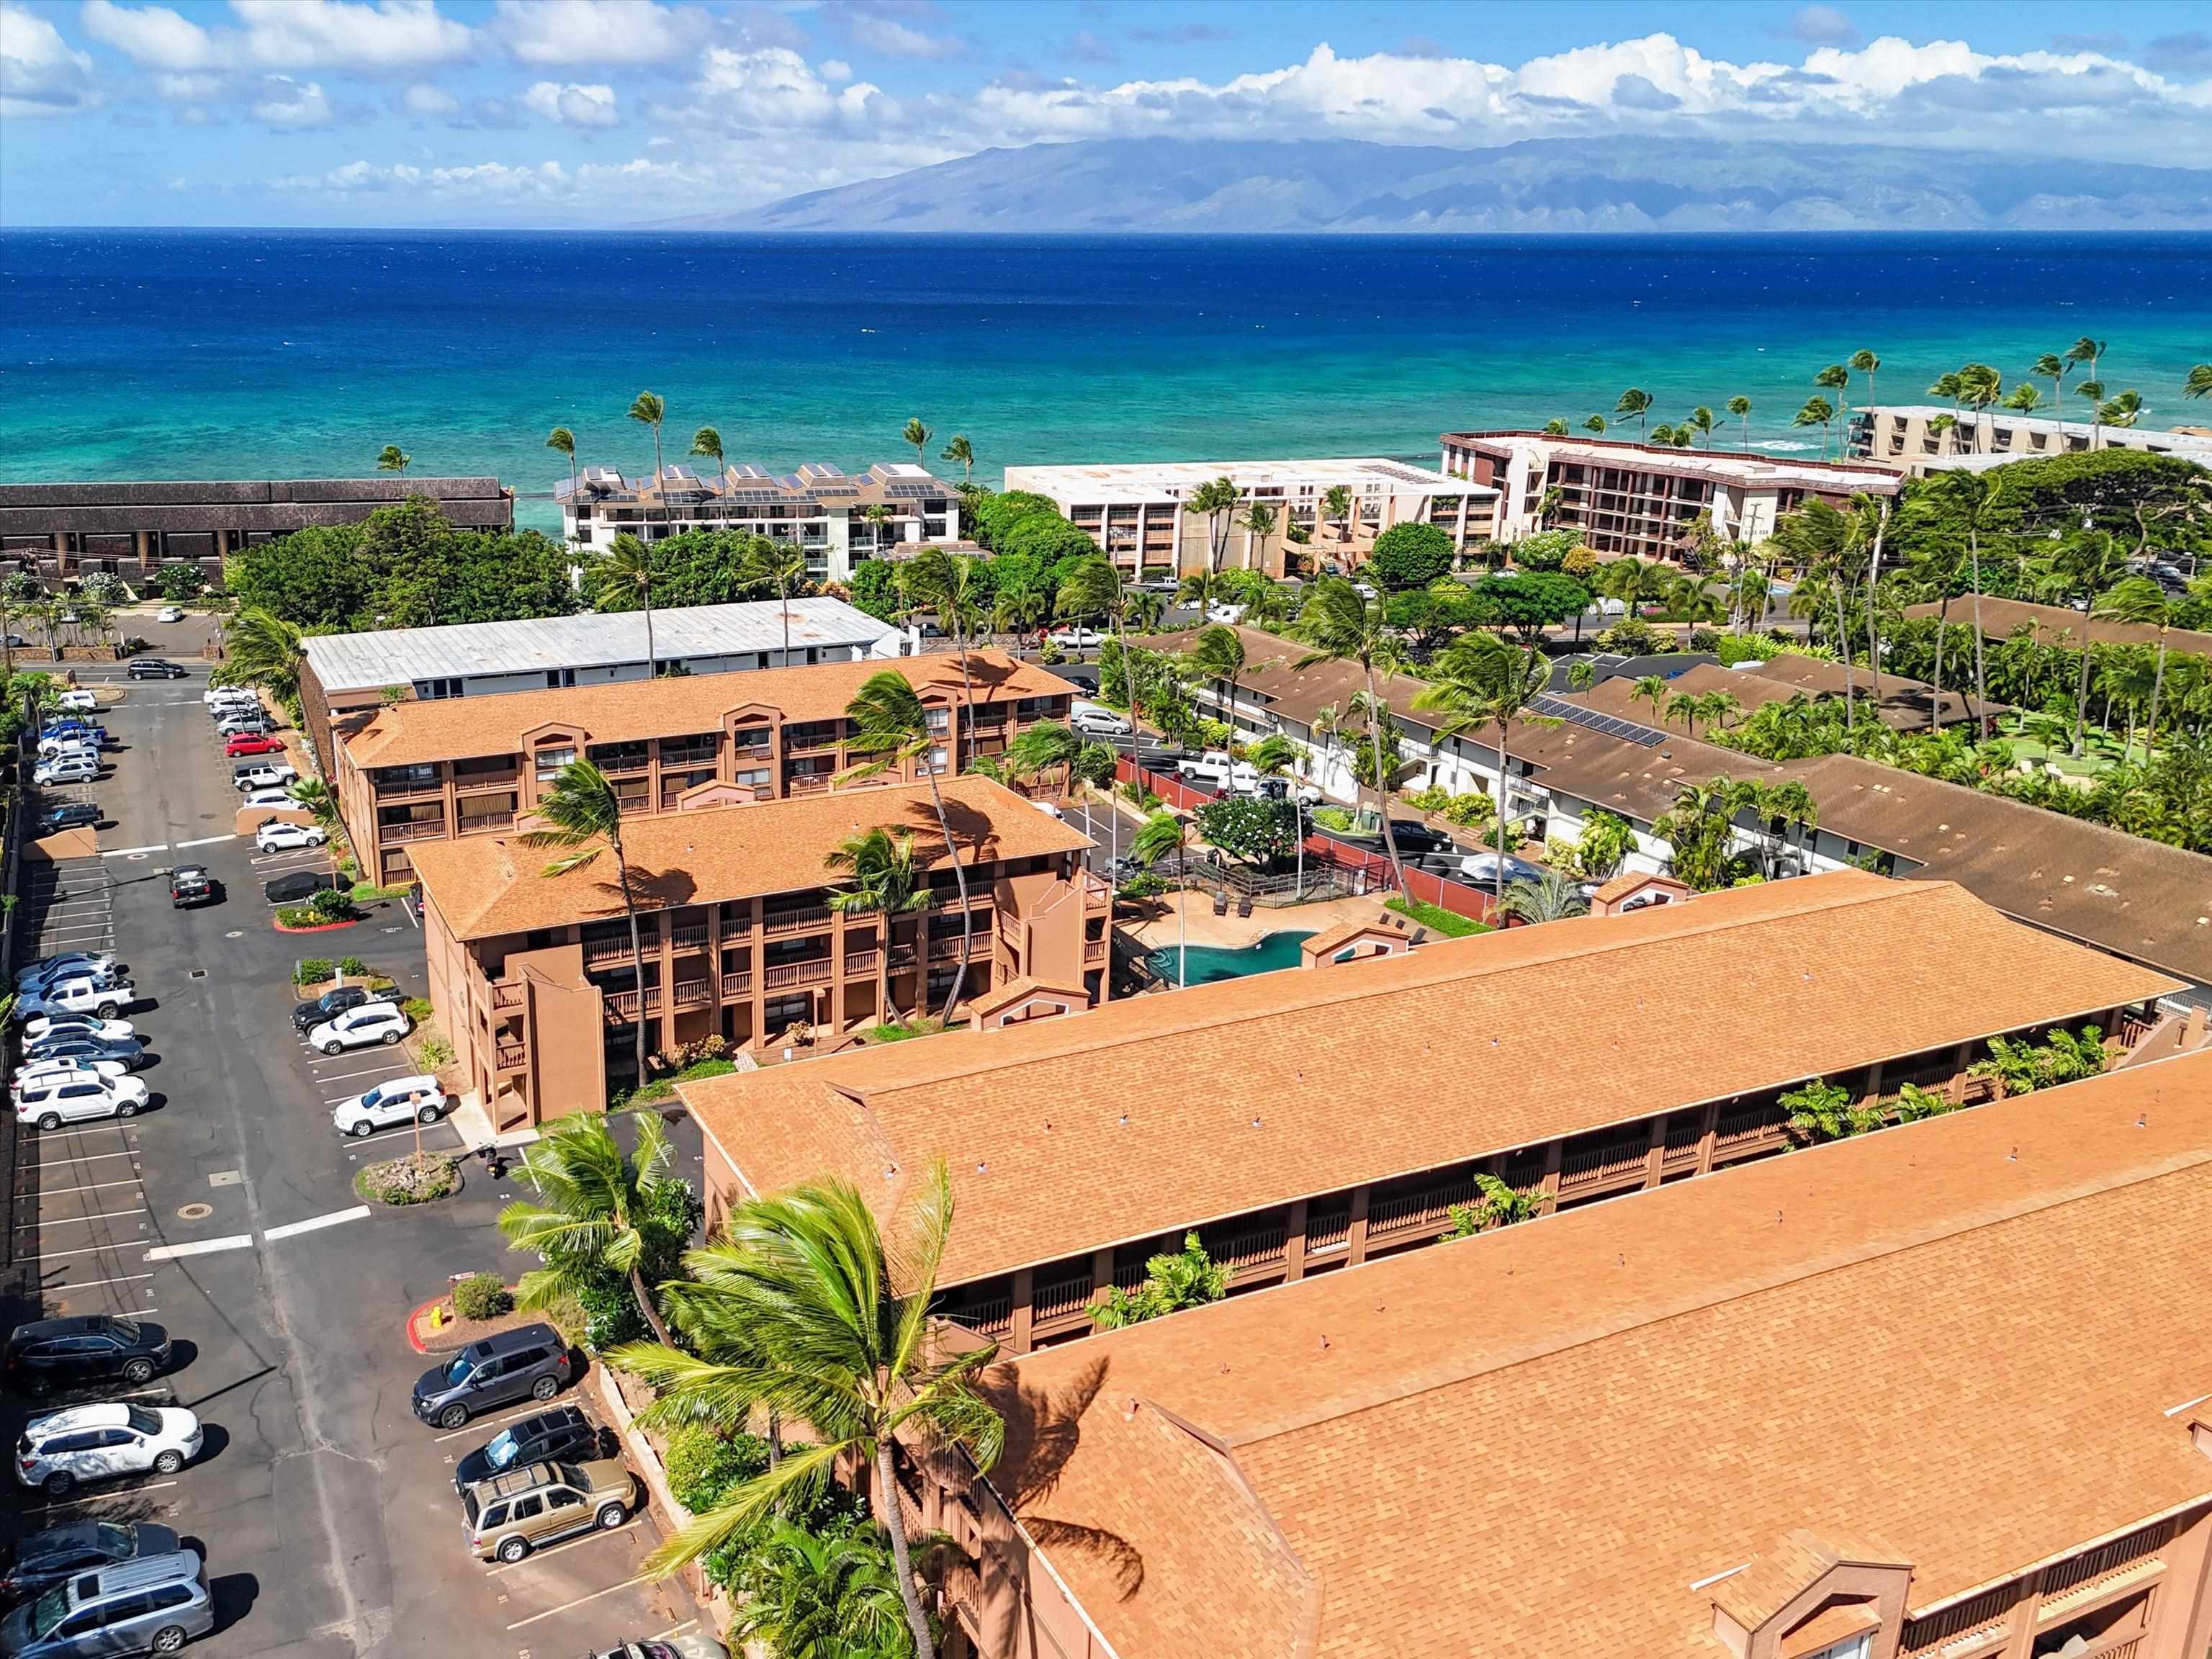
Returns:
<point x="694" y="992"/>
<point x="622" y="1006"/>
<point x="1058" y="1300"/>
<point x="992" y="1316"/>
<point x="760" y="750"/>
<point x="1424" y="1208"/>
<point x="689" y="935"/>
<point x="1754" y="1124"/>
<point x="796" y="972"/>
<point x="1253" y="1247"/>
<point x="796" y="921"/>
<point x="509" y="1056"/>
<point x="2104" y="1561"/>
<point x="427" y="789"/>
<point x="412" y="829"/>
<point x="483" y="822"/>
<point x="505" y="996"/>
<point x="686" y="760"/>
<point x="1097" y="892"/>
<point x="1606" y="1161"/>
<point x="597" y="952"/>
<point x="735" y="986"/>
<point x="496" y="777"/>
<point x="807" y="783"/>
<point x="1975" y="1619"/>
<point x="1095" y="952"/>
<point x="860" y="961"/>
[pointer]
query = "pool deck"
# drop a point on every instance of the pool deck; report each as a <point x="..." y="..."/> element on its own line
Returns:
<point x="1233" y="931"/>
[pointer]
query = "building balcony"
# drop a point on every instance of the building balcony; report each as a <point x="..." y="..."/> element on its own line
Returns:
<point x="506" y="998"/>
<point x="1622" y="1158"/>
<point x="807" y="783"/>
<point x="1059" y="1299"/>
<point x="777" y="923"/>
<point x="788" y="973"/>
<point x="1098" y="893"/>
<point x="411" y="829"/>
<point x="861" y="962"/>
<point x="735" y="986"/>
<point x="689" y="936"/>
<point x="597" y="952"/>
<point x="510" y="1056"/>
<point x="485" y="822"/>
<point x="761" y="751"/>
<point x="691" y="760"/>
<point x="621" y="1006"/>
<point x="1095" y="951"/>
<point x="493" y="777"/>
<point x="430" y="789"/>
<point x="694" y="992"/>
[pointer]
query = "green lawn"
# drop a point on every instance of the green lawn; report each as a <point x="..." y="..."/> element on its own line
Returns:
<point x="1437" y="919"/>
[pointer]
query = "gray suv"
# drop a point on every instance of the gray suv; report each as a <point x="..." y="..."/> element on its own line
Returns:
<point x="154" y="1604"/>
<point x="528" y="1363"/>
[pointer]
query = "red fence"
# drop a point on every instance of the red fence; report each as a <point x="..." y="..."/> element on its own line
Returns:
<point x="1373" y="869"/>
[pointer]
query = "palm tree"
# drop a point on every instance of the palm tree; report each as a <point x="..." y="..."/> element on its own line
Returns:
<point x="1216" y="502"/>
<point x="2139" y="600"/>
<point x="314" y="796"/>
<point x="2055" y="368"/>
<point x="2087" y="350"/>
<point x="2093" y="392"/>
<point x="1818" y="411"/>
<point x="626" y="572"/>
<point x="1975" y="496"/>
<point x="1837" y="379"/>
<point x="563" y="441"/>
<point x="1046" y="746"/>
<point x="1686" y="707"/>
<point x="1663" y="434"/>
<point x="2082" y="565"/>
<point x="769" y="562"/>
<point x="648" y="410"/>
<point x="1739" y="406"/>
<point x="1596" y="425"/>
<point x="958" y="449"/>
<point x="1650" y="689"/>
<point x="816" y="1594"/>
<point x="1259" y="521"/>
<point x="1336" y="508"/>
<point x="919" y="436"/>
<point x="394" y="459"/>
<point x="707" y="444"/>
<point x="1716" y="708"/>
<point x="885" y="882"/>
<point x="1480" y="679"/>
<point x="583" y="818"/>
<point x="891" y="727"/>
<point x="1161" y="834"/>
<point x="1550" y="897"/>
<point x="1635" y="582"/>
<point x="1342" y="626"/>
<point x="1980" y="385"/>
<point x="1097" y="587"/>
<point x="1701" y="421"/>
<point x="1018" y="610"/>
<point x="2123" y="411"/>
<point x="1218" y="653"/>
<point x="2199" y="383"/>
<point x="1555" y="428"/>
<point x="954" y="589"/>
<point x="826" y="1320"/>
<point x="1633" y="405"/>
<point x="876" y="515"/>
<point x="1864" y="361"/>
<point x="595" y="1210"/>
<point x="259" y="648"/>
<point x="2025" y="398"/>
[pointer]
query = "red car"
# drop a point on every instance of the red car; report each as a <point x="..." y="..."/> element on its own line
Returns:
<point x="253" y="745"/>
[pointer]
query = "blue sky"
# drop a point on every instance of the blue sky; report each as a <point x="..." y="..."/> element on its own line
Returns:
<point x="616" y="111"/>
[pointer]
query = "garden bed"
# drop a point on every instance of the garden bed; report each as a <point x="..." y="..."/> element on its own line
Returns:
<point x="284" y="927"/>
<point x="410" y="1179"/>
<point x="435" y="1327"/>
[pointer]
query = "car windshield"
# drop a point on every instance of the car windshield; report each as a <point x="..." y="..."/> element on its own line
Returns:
<point x="126" y="1328"/>
<point x="144" y="1421"/>
<point x="457" y="1372"/>
<point x="501" y="1450"/>
<point x="49" y="1610"/>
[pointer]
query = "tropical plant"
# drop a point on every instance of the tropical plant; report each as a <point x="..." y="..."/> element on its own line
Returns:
<point x="1822" y="1111"/>
<point x="1699" y="830"/>
<point x="1914" y="1103"/>
<point x="914" y="431"/>
<point x="2139" y="600"/>
<point x="582" y="819"/>
<point x="563" y="441"/>
<point x="624" y="576"/>
<point x="1739" y="406"/>
<point x="1336" y="508"/>
<point x="961" y="453"/>
<point x="1702" y="421"/>
<point x="1218" y="654"/>
<point x="2087" y="353"/>
<point x="1216" y="502"/>
<point x="1864" y="361"/>
<point x="707" y="444"/>
<point x="1633" y="405"/>
<point x="1836" y="378"/>
<point x="1496" y="1205"/>
<point x="806" y="1308"/>
<point x="2055" y="368"/>
<point x="1550" y="897"/>
<point x="1818" y="411"/>
<point x="1341" y="626"/>
<point x="646" y="408"/>
<point x="1163" y="833"/>
<point x="2081" y="565"/>
<point x="831" y="1594"/>
<point x="393" y="459"/>
<point x="773" y="563"/>
<point x="1596" y="424"/>
<point x="2020" y="1067"/>
<point x="1173" y="1280"/>
<point x="2198" y="384"/>
<point x="600" y="1211"/>
<point x="2025" y="398"/>
<point x="1480" y="680"/>
<point x="884" y="880"/>
<point x="259" y="649"/>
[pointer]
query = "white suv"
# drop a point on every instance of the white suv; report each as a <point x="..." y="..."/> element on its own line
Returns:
<point x="98" y="1442"/>
<point x="51" y="1097"/>
<point x="277" y="836"/>
<point x="357" y="1028"/>
<point x="395" y="1101"/>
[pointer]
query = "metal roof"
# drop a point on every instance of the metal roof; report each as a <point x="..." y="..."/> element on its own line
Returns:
<point x="398" y="656"/>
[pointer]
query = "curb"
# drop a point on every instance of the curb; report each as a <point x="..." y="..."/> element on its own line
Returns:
<point x="319" y="927"/>
<point x="409" y="1328"/>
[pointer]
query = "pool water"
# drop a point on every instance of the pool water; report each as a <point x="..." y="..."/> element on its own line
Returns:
<point x="1209" y="962"/>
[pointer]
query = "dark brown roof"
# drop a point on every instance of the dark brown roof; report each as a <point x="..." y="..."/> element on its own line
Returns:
<point x="2059" y="625"/>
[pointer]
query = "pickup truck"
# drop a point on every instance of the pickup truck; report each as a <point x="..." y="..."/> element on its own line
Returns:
<point x="1216" y="770"/>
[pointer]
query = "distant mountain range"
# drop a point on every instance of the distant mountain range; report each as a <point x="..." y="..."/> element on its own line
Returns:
<point x="1208" y="186"/>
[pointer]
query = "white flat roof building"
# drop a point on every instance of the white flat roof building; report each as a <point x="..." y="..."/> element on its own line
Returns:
<point x="1934" y="438"/>
<point x="1134" y="510"/>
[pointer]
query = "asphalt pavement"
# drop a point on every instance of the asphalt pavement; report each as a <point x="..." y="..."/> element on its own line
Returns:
<point x="325" y="1509"/>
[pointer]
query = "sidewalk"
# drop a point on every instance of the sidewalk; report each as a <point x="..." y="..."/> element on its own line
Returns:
<point x="473" y="1124"/>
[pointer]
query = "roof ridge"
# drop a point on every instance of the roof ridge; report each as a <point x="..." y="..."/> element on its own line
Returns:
<point x="1755" y="1284"/>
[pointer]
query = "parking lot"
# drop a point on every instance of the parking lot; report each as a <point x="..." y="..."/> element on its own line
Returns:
<point x="226" y="1212"/>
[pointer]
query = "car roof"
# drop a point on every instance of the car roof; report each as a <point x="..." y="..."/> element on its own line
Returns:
<point x="111" y="1414"/>
<point x="146" y="1572"/>
<point x="406" y="1085"/>
<point x="522" y="1336"/>
<point x="73" y="1325"/>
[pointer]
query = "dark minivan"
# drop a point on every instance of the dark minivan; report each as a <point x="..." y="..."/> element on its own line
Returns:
<point x="60" y="1353"/>
<point x="528" y="1363"/>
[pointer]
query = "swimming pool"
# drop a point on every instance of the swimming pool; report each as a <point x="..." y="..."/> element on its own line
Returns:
<point x="1209" y="962"/>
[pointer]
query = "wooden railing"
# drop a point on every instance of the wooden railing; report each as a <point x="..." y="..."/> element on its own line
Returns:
<point x="622" y="1006"/>
<point x="2134" y="1027"/>
<point x="793" y="921"/>
<point x="991" y="1316"/>
<point x="694" y="992"/>
<point x="860" y="961"/>
<point x="2104" y="1560"/>
<point x="1057" y="1300"/>
<point x="509" y="1056"/>
<point x="506" y="996"/>
<point x="806" y="783"/>
<point x="688" y="935"/>
<point x="1253" y="1247"/>
<point x="796" y="972"/>
<point x="414" y="829"/>
<point x="481" y="822"/>
<point x="1749" y="1124"/>
<point x="1325" y="1229"/>
<point x="1981" y="1615"/>
<point x="1606" y="1159"/>
<point x="1094" y="951"/>
<point x="425" y="791"/>
<point x="735" y="986"/>
<point x="740" y="751"/>
<point x="1424" y="1208"/>
<point x="600" y="951"/>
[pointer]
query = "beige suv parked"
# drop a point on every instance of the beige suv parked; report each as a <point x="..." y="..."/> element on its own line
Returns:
<point x="510" y="1515"/>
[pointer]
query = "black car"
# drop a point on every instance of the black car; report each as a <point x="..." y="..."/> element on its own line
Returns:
<point x="299" y="886"/>
<point x="45" y="1559"/>
<point x="191" y="884"/>
<point x="70" y="814"/>
<point x="52" y="1353"/>
<point x="63" y="1043"/>
<point x="155" y="668"/>
<point x="306" y="1016"/>
<point x="1413" y="838"/>
<point x="566" y="1436"/>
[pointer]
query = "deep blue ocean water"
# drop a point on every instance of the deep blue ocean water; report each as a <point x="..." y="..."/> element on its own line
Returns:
<point x="275" y="353"/>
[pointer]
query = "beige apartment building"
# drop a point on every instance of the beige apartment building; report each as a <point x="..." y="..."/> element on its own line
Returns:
<point x="533" y="977"/>
<point x="1926" y="436"/>
<point x="1137" y="513"/>
<point x="423" y="772"/>
<point x="1643" y="499"/>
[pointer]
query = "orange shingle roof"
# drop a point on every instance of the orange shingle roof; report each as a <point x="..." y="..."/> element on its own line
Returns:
<point x="1067" y="1135"/>
<point x="1958" y="1338"/>
<point x="627" y="711"/>
<point x="489" y="885"/>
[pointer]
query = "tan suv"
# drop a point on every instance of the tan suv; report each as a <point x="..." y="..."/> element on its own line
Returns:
<point x="510" y="1515"/>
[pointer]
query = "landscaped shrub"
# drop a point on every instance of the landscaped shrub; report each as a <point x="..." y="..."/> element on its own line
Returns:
<point x="436" y="1052"/>
<point x="1337" y="818"/>
<point x="311" y="971"/>
<point x="483" y="1296"/>
<point x="417" y="1009"/>
<point x="353" y="967"/>
<point x="410" y="1179"/>
<point x="1435" y="918"/>
<point x="664" y="1086"/>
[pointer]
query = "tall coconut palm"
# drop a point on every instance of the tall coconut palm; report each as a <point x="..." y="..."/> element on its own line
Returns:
<point x="1633" y="405"/>
<point x="1652" y="689"/>
<point x="2055" y="368"/>
<point x="1974" y="496"/>
<point x="954" y="588"/>
<point x="596" y="1211"/>
<point x="919" y="436"/>
<point x="892" y="728"/>
<point x="2025" y="398"/>
<point x="581" y="818"/>
<point x="1739" y="406"/>
<point x="1864" y="361"/>
<point x="1980" y="385"/>
<point x="2199" y="382"/>
<point x="959" y="451"/>
<point x="1635" y="582"/>
<point x="1259" y="520"/>
<point x="1480" y="679"/>
<point x="707" y="444"/>
<point x="646" y="408"/>
<point x="1340" y="626"/>
<point x="1702" y="421"/>
<point x="1556" y="427"/>
<point x="1818" y="411"/>
<point x="1837" y="378"/>
<point x="2083" y="566"/>
<point x="1097" y="587"/>
<point x="1218" y="654"/>
<point x="2139" y="600"/>
<point x="825" y="1320"/>
<point x="1216" y="502"/>
<point x="1048" y="746"/>
<point x="769" y="561"/>
<point x="563" y="441"/>
<point x="627" y="573"/>
<point x="885" y="881"/>
<point x="1163" y="833"/>
<point x="2086" y="353"/>
<point x="2121" y="412"/>
<point x="394" y="459"/>
<point x="1336" y="508"/>
<point x="1594" y="425"/>
<point x="2093" y="393"/>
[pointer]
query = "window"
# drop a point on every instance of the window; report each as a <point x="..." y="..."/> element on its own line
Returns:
<point x="1856" y="1647"/>
<point x="169" y="1596"/>
<point x="530" y="1507"/>
<point x="495" y="1516"/>
<point x="551" y="758"/>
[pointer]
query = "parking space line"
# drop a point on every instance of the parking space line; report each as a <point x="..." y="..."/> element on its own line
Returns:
<point x="315" y="1223"/>
<point x="200" y="1247"/>
<point x="125" y="852"/>
<point x="95" y="1284"/>
<point x="95" y="1185"/>
<point x="673" y="1630"/>
<point x="205" y="841"/>
<point x="69" y="1220"/>
<point x="536" y="1556"/>
<point x="626" y="1583"/>
<point x="89" y="1249"/>
<point x="478" y="1426"/>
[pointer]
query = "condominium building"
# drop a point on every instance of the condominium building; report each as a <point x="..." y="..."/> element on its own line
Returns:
<point x="533" y="976"/>
<point x="61" y="531"/>
<point x="1934" y="1392"/>
<point x="417" y="772"/>
<point x="1920" y="436"/>
<point x="1306" y="1121"/>
<point x="1643" y="498"/>
<point x="835" y="518"/>
<point x="345" y="676"/>
<point x="1139" y="513"/>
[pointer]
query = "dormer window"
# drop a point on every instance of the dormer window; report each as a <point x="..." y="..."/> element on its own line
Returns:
<point x="551" y="757"/>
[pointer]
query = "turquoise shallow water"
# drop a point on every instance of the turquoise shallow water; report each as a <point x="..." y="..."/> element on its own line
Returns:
<point x="1209" y="962"/>
<point x="200" y="354"/>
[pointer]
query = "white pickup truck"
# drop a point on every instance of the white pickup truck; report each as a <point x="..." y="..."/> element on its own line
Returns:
<point x="1216" y="770"/>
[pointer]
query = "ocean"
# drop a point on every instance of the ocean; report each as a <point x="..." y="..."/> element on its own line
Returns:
<point x="273" y="354"/>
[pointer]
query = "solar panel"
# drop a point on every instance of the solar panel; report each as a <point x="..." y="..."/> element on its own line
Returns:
<point x="1593" y="719"/>
<point x="903" y="489"/>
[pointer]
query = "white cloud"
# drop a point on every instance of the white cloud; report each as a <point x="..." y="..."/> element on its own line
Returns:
<point x="424" y="97"/>
<point x="153" y="37"/>
<point x="391" y="34"/>
<point x="547" y="184"/>
<point x="888" y="35"/>
<point x="773" y="89"/>
<point x="835" y="71"/>
<point x="286" y="104"/>
<point x="598" y="31"/>
<point x="572" y="104"/>
<point x="40" y="73"/>
<point x="188" y="88"/>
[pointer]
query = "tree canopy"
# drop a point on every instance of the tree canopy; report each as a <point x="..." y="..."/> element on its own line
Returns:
<point x="1410" y="555"/>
